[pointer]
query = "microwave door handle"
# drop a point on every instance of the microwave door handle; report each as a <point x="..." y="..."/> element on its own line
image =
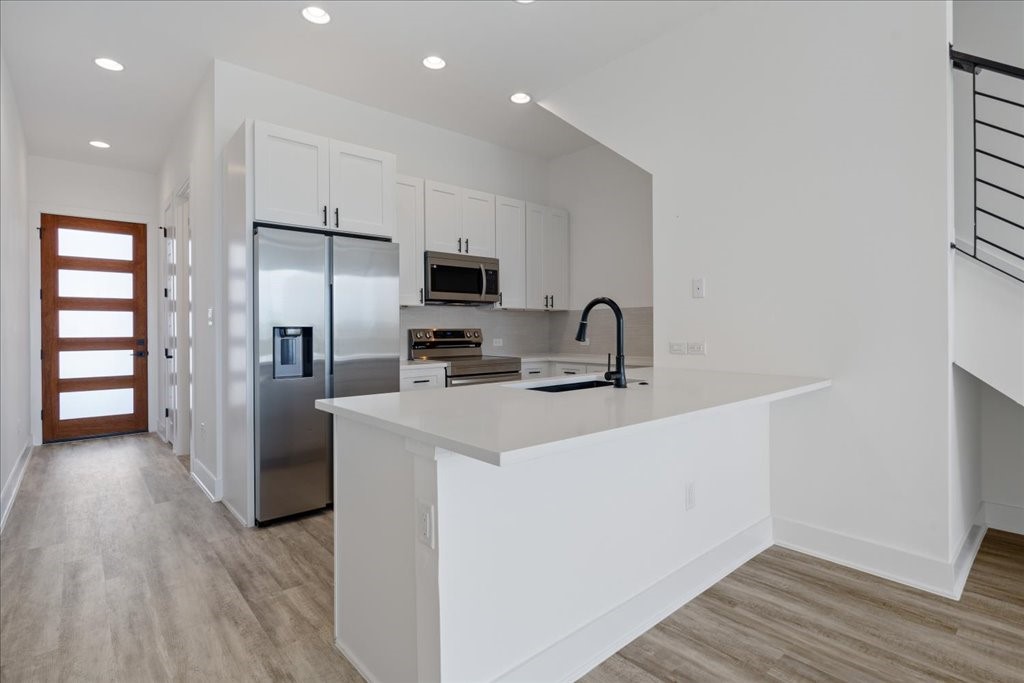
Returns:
<point x="483" y="281"/>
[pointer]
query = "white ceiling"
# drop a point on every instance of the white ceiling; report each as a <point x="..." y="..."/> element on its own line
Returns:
<point x="369" y="52"/>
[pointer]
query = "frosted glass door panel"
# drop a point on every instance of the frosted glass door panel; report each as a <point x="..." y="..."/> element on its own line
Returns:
<point x="95" y="324"/>
<point x="78" y="364"/>
<point x="90" y="244"/>
<point x="94" y="284"/>
<point x="100" y="403"/>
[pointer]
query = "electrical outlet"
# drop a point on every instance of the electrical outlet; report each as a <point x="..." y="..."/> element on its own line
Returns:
<point x="678" y="348"/>
<point x="498" y="341"/>
<point x="697" y="348"/>
<point x="425" y="524"/>
<point x="699" y="288"/>
<point x="691" y="495"/>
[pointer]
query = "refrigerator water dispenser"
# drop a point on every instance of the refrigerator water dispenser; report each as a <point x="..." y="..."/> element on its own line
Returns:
<point x="293" y="352"/>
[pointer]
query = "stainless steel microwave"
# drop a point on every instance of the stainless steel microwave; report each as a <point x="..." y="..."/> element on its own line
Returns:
<point x="460" y="278"/>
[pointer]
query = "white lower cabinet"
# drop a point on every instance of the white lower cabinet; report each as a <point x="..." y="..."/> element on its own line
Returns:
<point x="536" y="370"/>
<point x="412" y="378"/>
<point x="559" y="369"/>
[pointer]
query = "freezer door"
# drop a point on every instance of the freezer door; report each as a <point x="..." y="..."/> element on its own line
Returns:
<point x="365" y="317"/>
<point x="292" y="437"/>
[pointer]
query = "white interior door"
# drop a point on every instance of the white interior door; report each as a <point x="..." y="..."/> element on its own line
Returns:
<point x="510" y="248"/>
<point x="409" y="235"/>
<point x="442" y="217"/>
<point x="292" y="176"/>
<point x="362" y="190"/>
<point x="169" y="318"/>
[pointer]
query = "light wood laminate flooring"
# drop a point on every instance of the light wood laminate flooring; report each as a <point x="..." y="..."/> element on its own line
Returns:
<point x="114" y="566"/>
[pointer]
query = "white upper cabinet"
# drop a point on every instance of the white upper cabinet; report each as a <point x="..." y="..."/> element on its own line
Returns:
<point x="362" y="190"/>
<point x="556" y="259"/>
<point x="292" y="176"/>
<point x="443" y="217"/>
<point x="409" y="235"/>
<point x="477" y="223"/>
<point x="459" y="221"/>
<point x="510" y="248"/>
<point x="312" y="181"/>
<point x="547" y="258"/>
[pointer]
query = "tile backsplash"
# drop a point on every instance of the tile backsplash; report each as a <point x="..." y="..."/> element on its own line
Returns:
<point x="524" y="332"/>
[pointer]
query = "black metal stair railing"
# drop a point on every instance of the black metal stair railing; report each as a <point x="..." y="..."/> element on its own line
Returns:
<point x="998" y="161"/>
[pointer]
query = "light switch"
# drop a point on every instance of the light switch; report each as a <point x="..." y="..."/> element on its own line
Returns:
<point x="678" y="348"/>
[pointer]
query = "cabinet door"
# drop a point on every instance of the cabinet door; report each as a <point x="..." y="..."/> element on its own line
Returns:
<point x="409" y="235"/>
<point x="535" y="293"/>
<point x="477" y="223"/>
<point x="510" y="248"/>
<point x="556" y="258"/>
<point x="362" y="190"/>
<point x="443" y="217"/>
<point x="291" y="173"/>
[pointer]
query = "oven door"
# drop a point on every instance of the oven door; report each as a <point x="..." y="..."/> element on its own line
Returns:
<point x="461" y="279"/>
<point x="497" y="377"/>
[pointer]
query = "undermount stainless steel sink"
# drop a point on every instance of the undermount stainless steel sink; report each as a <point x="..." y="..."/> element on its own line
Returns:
<point x="572" y="386"/>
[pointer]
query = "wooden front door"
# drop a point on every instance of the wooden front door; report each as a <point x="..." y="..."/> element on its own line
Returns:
<point x="94" y="355"/>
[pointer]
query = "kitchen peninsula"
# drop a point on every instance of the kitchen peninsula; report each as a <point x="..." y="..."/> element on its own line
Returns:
<point x="496" y="532"/>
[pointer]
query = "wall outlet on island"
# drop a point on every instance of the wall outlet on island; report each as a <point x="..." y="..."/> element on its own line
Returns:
<point x="678" y="348"/>
<point x="697" y="348"/>
<point x="498" y="341"/>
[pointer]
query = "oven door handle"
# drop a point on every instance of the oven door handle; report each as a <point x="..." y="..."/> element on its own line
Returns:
<point x="484" y="379"/>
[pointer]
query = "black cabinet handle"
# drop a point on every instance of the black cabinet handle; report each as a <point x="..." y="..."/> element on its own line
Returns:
<point x="467" y="245"/>
<point x="460" y="245"/>
<point x="552" y="301"/>
<point x="336" y="224"/>
<point x="499" y="297"/>
<point x="533" y="372"/>
<point x="421" y="295"/>
<point x="325" y="214"/>
<point x="420" y="381"/>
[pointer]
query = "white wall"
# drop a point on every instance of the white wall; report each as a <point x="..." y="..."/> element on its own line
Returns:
<point x="609" y="203"/>
<point x="1002" y="461"/>
<point x="803" y="172"/>
<point x="990" y="28"/>
<point x="15" y="430"/>
<point x="190" y="159"/>
<point x="90" y="191"/>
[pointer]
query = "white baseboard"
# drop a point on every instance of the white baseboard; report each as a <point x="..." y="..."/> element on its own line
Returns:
<point x="356" y="663"/>
<point x="911" y="569"/>
<point x="241" y="519"/>
<point x="1004" y="517"/>
<point x="964" y="559"/>
<point x="13" y="484"/>
<point x="573" y="656"/>
<point x="205" y="478"/>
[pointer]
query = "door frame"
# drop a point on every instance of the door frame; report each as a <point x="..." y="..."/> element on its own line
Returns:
<point x="36" y="211"/>
<point x="178" y="204"/>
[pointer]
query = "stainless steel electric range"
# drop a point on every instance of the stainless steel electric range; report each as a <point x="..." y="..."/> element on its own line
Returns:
<point x="461" y="349"/>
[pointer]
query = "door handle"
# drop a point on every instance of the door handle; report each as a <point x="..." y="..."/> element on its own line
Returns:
<point x="460" y="245"/>
<point x="483" y="275"/>
<point x="421" y="295"/>
<point x="142" y="354"/>
<point x="336" y="224"/>
<point x="325" y="214"/>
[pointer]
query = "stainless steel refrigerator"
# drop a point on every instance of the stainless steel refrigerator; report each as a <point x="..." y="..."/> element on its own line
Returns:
<point x="318" y="297"/>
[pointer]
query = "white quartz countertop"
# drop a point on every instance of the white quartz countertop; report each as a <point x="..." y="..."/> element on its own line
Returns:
<point x="504" y="423"/>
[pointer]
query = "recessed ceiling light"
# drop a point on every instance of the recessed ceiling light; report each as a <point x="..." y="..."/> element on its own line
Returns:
<point x="434" y="62"/>
<point x="108" y="64"/>
<point x="316" y="15"/>
<point x="520" y="98"/>
<point x="100" y="144"/>
<point x="524" y="2"/>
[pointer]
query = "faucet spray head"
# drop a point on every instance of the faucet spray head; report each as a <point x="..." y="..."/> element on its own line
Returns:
<point x="581" y="333"/>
